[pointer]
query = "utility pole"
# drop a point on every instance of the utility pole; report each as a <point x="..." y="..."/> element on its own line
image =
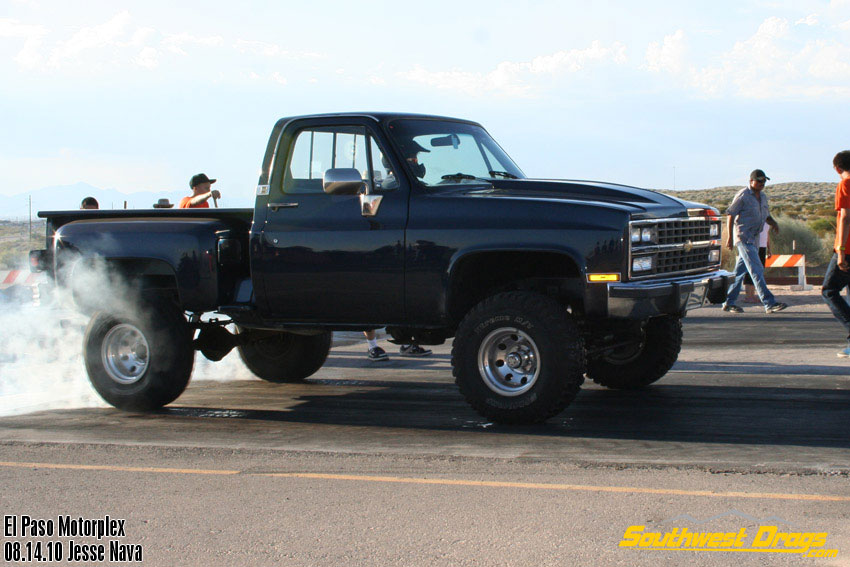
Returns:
<point x="29" y="233"/>
<point x="674" y="178"/>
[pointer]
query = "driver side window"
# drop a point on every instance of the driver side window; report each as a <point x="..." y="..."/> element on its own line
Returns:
<point x="318" y="149"/>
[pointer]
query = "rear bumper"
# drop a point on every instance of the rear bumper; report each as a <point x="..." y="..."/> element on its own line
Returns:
<point x="641" y="300"/>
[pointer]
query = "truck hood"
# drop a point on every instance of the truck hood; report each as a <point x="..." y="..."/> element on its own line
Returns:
<point x="640" y="203"/>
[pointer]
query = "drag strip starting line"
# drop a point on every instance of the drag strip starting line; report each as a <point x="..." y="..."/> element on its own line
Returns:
<point x="442" y="482"/>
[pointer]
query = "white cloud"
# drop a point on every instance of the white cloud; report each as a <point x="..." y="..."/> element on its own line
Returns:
<point x="148" y="57"/>
<point x="519" y="79"/>
<point x="577" y="59"/>
<point x="29" y="55"/>
<point x="810" y="20"/>
<point x="827" y="59"/>
<point x="772" y="63"/>
<point x="142" y="36"/>
<point x="845" y="26"/>
<point x="14" y="28"/>
<point x="669" y="56"/>
<point x="176" y="42"/>
<point x="258" y="48"/>
<point x="271" y="50"/>
<point x="90" y="38"/>
<point x="91" y="49"/>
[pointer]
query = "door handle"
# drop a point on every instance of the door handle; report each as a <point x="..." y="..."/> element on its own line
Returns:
<point x="276" y="206"/>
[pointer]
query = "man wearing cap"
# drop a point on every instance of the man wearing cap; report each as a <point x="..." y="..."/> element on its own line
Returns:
<point x="201" y="193"/>
<point x="747" y="215"/>
<point x="410" y="149"/>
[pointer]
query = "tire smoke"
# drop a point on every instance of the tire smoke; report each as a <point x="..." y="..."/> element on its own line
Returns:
<point x="41" y="343"/>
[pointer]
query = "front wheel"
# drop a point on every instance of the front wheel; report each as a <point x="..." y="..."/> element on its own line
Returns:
<point x="644" y="362"/>
<point x="141" y="360"/>
<point x="279" y="356"/>
<point x="517" y="357"/>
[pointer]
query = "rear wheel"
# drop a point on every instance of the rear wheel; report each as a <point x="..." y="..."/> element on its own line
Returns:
<point x="141" y="360"/>
<point x="645" y="361"/>
<point x="281" y="356"/>
<point x="517" y="357"/>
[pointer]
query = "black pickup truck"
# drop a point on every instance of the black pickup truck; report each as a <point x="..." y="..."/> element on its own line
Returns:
<point x="420" y="224"/>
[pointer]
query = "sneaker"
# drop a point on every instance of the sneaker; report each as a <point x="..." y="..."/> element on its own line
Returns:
<point x="413" y="350"/>
<point x="377" y="354"/>
<point x="844" y="353"/>
<point x="732" y="309"/>
<point x="776" y="307"/>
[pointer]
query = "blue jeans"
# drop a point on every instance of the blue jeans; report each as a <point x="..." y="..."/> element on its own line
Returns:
<point x="834" y="281"/>
<point x="749" y="262"/>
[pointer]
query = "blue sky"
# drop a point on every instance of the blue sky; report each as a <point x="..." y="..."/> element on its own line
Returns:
<point x="139" y="96"/>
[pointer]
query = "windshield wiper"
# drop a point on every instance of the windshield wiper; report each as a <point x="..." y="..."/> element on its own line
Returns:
<point x="458" y="177"/>
<point x="504" y="174"/>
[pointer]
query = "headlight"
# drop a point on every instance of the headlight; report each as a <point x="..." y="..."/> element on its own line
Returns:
<point x="636" y="235"/>
<point x="714" y="256"/>
<point x="647" y="234"/>
<point x="642" y="264"/>
<point x="714" y="229"/>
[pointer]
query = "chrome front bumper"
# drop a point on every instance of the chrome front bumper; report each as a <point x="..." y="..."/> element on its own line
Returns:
<point x="675" y="296"/>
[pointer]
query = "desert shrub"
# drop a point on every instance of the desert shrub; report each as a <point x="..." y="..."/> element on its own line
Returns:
<point x="824" y="226"/>
<point x="795" y="237"/>
<point x="13" y="257"/>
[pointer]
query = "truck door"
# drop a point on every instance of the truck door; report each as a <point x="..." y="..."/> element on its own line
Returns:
<point x="320" y="258"/>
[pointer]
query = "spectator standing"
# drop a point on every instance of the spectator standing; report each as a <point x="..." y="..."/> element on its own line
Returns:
<point x="747" y="215"/>
<point x="764" y="246"/>
<point x="837" y="275"/>
<point x="201" y="193"/>
<point x="89" y="203"/>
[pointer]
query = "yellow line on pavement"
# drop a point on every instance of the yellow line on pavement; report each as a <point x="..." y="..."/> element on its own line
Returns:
<point x="444" y="482"/>
<point x="565" y="487"/>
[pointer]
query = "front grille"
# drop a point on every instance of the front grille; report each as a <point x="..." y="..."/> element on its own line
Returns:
<point x="681" y="261"/>
<point x="680" y="231"/>
<point x="678" y="246"/>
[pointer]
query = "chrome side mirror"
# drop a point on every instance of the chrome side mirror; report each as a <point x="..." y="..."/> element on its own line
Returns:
<point x="369" y="204"/>
<point x="342" y="181"/>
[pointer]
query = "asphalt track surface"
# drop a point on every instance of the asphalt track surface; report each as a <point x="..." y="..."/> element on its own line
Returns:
<point x="384" y="463"/>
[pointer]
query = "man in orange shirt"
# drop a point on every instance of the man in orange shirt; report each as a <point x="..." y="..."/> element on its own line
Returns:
<point x="838" y="273"/>
<point x="201" y="193"/>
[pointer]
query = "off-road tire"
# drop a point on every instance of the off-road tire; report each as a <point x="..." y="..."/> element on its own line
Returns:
<point x="285" y="357"/>
<point x="545" y="326"/>
<point x="164" y="354"/>
<point x="657" y="353"/>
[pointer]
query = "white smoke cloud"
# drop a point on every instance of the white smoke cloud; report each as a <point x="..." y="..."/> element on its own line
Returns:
<point x="41" y="347"/>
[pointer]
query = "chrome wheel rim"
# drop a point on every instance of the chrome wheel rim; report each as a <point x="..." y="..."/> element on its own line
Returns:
<point x="508" y="360"/>
<point x="125" y="354"/>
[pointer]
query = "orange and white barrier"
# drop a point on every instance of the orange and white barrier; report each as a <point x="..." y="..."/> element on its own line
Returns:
<point x="785" y="261"/>
<point x="21" y="277"/>
<point x="790" y="261"/>
<point x="24" y="279"/>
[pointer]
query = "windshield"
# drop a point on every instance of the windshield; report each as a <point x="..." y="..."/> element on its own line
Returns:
<point x="439" y="153"/>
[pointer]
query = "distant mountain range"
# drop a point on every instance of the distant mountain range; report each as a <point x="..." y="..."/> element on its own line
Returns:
<point x="68" y="197"/>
